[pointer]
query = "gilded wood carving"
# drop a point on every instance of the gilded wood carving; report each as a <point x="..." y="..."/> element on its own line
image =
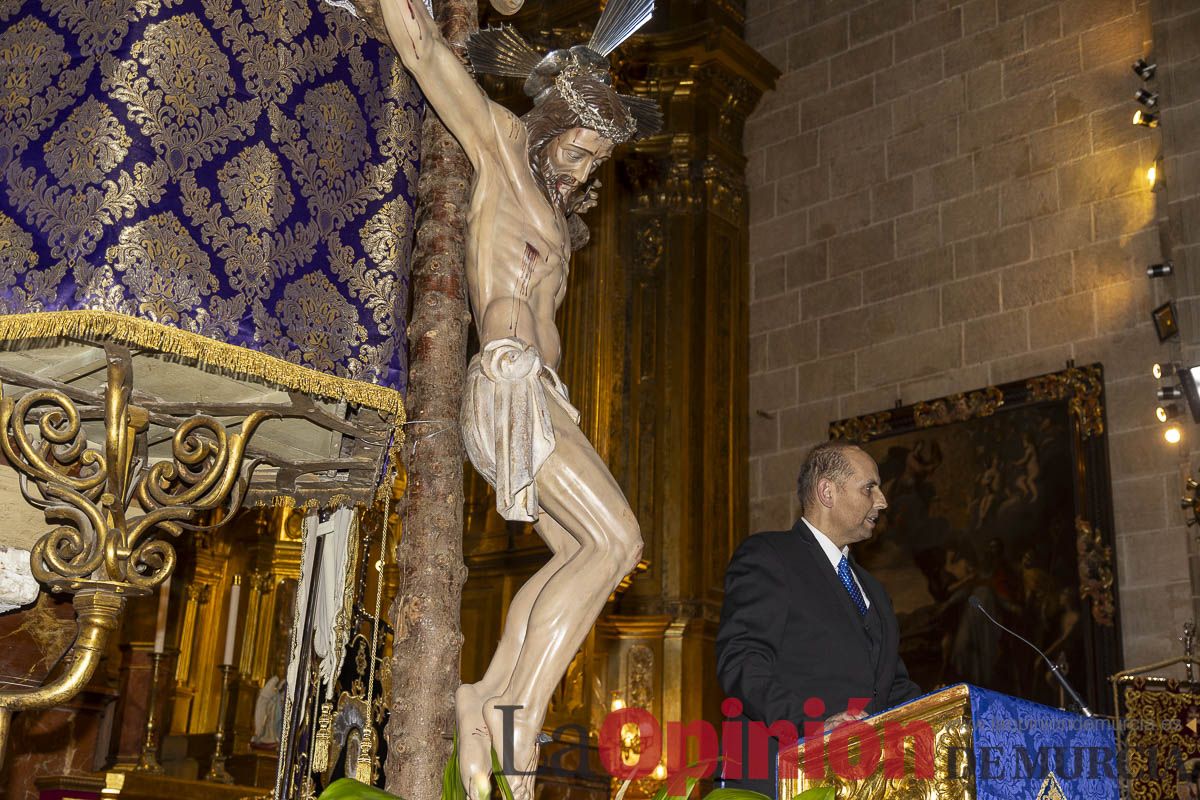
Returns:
<point x="1000" y="495"/>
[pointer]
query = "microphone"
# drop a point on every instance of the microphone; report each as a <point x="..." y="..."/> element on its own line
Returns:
<point x="1083" y="709"/>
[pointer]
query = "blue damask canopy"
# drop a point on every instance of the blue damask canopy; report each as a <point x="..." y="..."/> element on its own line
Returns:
<point x="230" y="181"/>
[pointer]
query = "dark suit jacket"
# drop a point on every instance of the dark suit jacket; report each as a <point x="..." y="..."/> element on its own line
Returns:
<point x="789" y="631"/>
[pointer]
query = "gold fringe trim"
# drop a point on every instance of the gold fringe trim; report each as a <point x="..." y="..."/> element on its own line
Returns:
<point x="285" y="502"/>
<point x="205" y="351"/>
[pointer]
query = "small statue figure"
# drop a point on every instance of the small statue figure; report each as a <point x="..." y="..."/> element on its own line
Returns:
<point x="533" y="176"/>
<point x="268" y="710"/>
<point x="18" y="587"/>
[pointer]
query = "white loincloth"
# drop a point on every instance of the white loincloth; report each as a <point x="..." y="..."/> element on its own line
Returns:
<point x="506" y="420"/>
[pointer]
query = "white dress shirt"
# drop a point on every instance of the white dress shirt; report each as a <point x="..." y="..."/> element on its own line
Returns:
<point x="835" y="557"/>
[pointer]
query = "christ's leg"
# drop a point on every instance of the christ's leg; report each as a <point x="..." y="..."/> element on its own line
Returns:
<point x="474" y="738"/>
<point x="578" y="492"/>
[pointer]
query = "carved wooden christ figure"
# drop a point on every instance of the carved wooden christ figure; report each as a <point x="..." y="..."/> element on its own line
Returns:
<point x="533" y="176"/>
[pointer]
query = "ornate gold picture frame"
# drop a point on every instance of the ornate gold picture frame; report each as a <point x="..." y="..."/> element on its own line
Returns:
<point x="1000" y="495"/>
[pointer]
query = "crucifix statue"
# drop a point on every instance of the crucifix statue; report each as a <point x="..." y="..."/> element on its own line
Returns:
<point x="533" y="176"/>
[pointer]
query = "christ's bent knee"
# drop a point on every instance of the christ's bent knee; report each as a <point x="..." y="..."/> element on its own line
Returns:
<point x="625" y="547"/>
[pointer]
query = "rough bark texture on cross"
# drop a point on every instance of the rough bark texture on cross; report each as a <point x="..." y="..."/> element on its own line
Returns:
<point x="428" y="641"/>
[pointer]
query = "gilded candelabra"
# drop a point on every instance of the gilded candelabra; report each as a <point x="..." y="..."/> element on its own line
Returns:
<point x="148" y="759"/>
<point x="110" y="503"/>
<point x="217" y="772"/>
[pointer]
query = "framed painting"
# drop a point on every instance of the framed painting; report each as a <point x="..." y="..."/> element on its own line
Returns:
<point x="1000" y="495"/>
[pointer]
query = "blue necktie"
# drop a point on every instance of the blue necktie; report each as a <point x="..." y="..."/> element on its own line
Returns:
<point x="848" y="581"/>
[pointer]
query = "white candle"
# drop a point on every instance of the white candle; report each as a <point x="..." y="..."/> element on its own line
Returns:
<point x="235" y="593"/>
<point x="160" y="630"/>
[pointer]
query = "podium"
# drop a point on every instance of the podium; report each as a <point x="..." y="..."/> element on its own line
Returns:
<point x="959" y="743"/>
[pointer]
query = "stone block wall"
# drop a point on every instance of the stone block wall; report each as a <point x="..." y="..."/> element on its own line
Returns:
<point x="947" y="194"/>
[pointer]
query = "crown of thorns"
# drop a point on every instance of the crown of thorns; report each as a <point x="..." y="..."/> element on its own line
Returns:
<point x="580" y="75"/>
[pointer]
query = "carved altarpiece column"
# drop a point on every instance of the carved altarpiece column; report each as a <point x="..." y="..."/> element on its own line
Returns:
<point x="655" y="336"/>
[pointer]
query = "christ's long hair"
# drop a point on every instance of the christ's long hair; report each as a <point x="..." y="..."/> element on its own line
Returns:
<point x="552" y="117"/>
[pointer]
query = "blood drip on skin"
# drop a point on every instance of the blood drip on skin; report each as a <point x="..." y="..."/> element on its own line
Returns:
<point x="412" y="12"/>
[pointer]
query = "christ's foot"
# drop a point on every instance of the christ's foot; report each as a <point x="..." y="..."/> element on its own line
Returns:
<point x="474" y="743"/>
<point x="514" y="730"/>
<point x="522" y="783"/>
<point x="508" y="7"/>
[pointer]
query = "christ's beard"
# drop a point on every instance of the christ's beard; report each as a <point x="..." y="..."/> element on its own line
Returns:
<point x="554" y="184"/>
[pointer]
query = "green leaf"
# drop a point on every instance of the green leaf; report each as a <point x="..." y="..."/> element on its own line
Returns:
<point x="452" y="788"/>
<point x="689" y="785"/>
<point x="501" y="781"/>
<point x="820" y="793"/>
<point x="734" y="794"/>
<point x="350" y="789"/>
<point x="704" y="766"/>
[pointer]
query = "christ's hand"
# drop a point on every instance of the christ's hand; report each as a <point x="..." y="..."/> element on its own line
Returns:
<point x="590" y="198"/>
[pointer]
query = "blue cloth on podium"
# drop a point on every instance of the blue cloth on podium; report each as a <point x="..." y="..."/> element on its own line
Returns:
<point x="1024" y="749"/>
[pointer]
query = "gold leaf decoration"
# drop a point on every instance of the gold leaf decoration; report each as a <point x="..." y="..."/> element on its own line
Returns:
<point x="958" y="408"/>
<point x="1095" y="572"/>
<point x="1083" y="387"/>
<point x="861" y="429"/>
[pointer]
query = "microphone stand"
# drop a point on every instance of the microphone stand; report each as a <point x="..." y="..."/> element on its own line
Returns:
<point x="1083" y="709"/>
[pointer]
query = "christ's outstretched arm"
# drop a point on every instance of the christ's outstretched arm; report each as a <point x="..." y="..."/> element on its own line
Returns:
<point x="460" y="102"/>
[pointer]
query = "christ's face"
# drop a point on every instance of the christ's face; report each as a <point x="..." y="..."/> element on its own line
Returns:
<point x="568" y="161"/>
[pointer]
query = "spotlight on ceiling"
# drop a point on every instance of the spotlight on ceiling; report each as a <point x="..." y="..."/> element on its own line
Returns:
<point x="1144" y="70"/>
<point x="1154" y="175"/>
<point x="1160" y="270"/>
<point x="1168" y="369"/>
<point x="1169" y="411"/>
<point x="1173" y="434"/>
<point x="1170" y="393"/>
<point x="1146" y="97"/>
<point x="1145" y="118"/>
<point x="1191" y="503"/>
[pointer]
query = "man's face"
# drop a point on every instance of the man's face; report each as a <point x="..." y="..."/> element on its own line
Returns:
<point x="568" y="161"/>
<point x="858" y="501"/>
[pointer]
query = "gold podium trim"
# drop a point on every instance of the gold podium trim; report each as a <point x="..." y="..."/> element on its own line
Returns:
<point x="948" y="713"/>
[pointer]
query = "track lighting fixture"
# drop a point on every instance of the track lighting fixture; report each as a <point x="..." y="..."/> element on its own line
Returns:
<point x="1173" y="434"/>
<point x="1159" y="371"/>
<point x="1170" y="393"/>
<point x="1145" y="119"/>
<point x="1160" y="270"/>
<point x="1144" y="70"/>
<point x="1167" y="412"/>
<point x="1154" y="174"/>
<point x="1191" y="503"/>
<point x="1146" y="97"/>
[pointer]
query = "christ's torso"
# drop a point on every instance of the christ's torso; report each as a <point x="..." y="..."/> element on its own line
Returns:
<point x="517" y="254"/>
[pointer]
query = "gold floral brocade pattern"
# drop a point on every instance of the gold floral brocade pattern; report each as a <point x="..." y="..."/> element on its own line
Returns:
<point x="1162" y="733"/>
<point x="239" y="171"/>
<point x="88" y="146"/>
<point x="164" y="267"/>
<point x="252" y="190"/>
